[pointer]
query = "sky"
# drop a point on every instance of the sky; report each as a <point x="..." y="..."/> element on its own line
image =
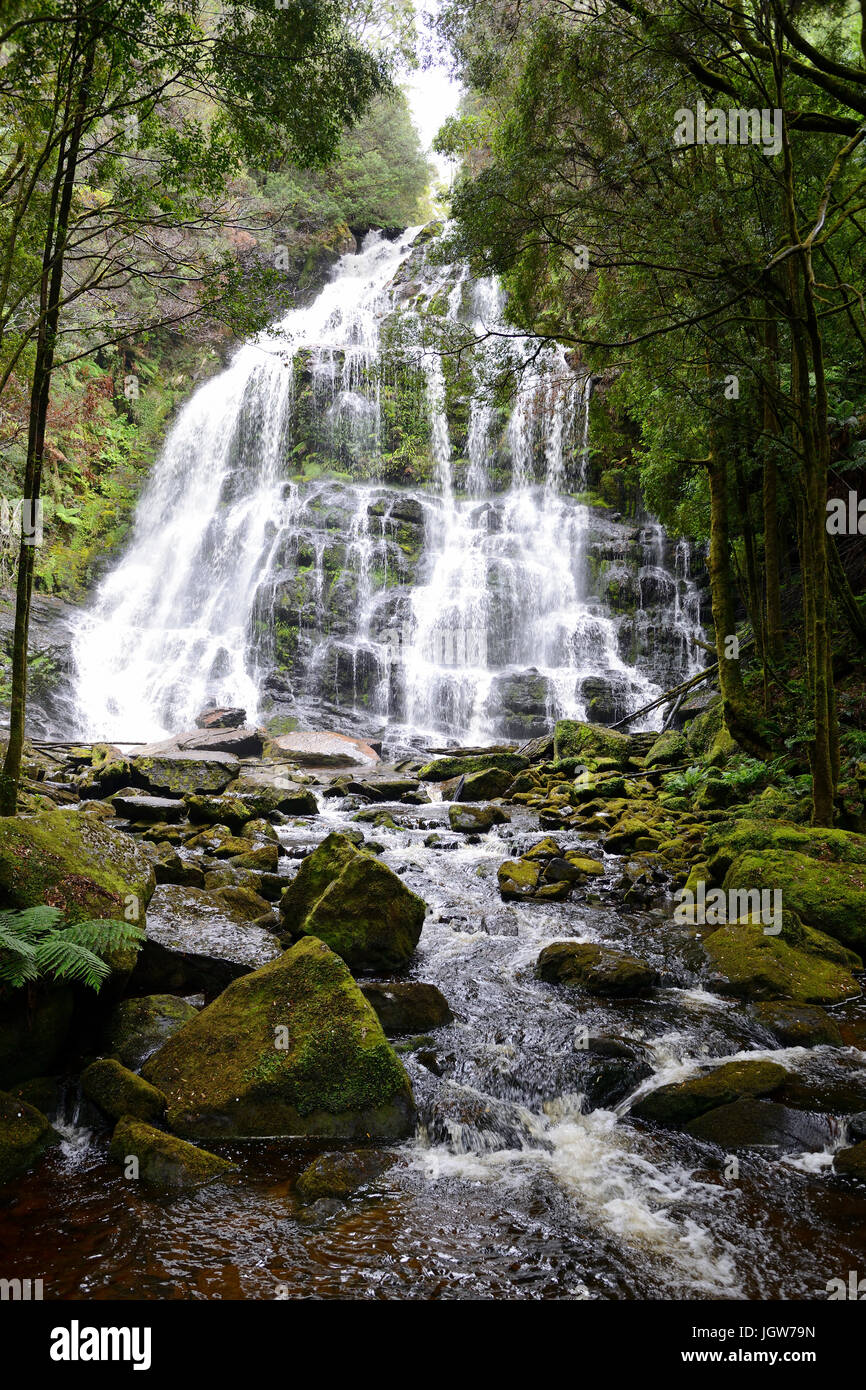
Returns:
<point x="433" y="95"/>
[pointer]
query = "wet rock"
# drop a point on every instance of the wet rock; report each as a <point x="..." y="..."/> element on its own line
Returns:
<point x="610" y="1069"/>
<point x="169" y="867"/>
<point x="521" y="879"/>
<point x="476" y="819"/>
<point x="468" y="1122"/>
<point x="354" y="903"/>
<point x="407" y="1006"/>
<point x="324" y="750"/>
<point x="442" y="769"/>
<point x="178" y="773"/>
<point x="669" y="749"/>
<point x="595" y="968"/>
<point x="232" y="1073"/>
<point x="798" y="1025"/>
<point x="685" y="1100"/>
<point x="164" y="1161"/>
<point x="482" y="786"/>
<point x="195" y="941"/>
<point x="857" y="1125"/>
<point x="150" y="809"/>
<point x="340" y="1175"/>
<point x="851" y="1162"/>
<point x="245" y="902"/>
<point x="34" y="1031"/>
<point x="218" y="810"/>
<point x="25" y="1134"/>
<point x="745" y="1124"/>
<point x="266" y="794"/>
<point x="754" y="965"/>
<point x="631" y="833"/>
<point x="217" y="718"/>
<point x="117" y="1091"/>
<point x="573" y="739"/>
<point x="138" y="1027"/>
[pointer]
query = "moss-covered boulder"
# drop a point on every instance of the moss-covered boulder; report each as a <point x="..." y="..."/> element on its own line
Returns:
<point x="476" y="819"/>
<point x="484" y="785"/>
<point x="796" y="964"/>
<point x="748" y="1123"/>
<point x="25" y="1134"/>
<point x="293" y="1049"/>
<point x="117" y="1091"/>
<point x="337" y="1176"/>
<point x="356" y="904"/>
<point x="629" y="833"/>
<point x="669" y="749"/>
<point x="798" y="1025"/>
<point x="443" y="769"/>
<point x="851" y="1162"/>
<point x="595" y="968"/>
<point x="248" y="904"/>
<point x="573" y="739"/>
<point x="407" y="1006"/>
<point x="162" y="1160"/>
<point x="550" y="879"/>
<point x="138" y="1027"/>
<point x="184" y="774"/>
<point x="266" y="798"/>
<point x="218" y="810"/>
<point x="826" y="894"/>
<point x="685" y="1100"/>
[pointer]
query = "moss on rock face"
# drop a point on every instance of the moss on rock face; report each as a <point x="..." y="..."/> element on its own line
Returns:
<point x="139" y="1027"/>
<point x="826" y="894"/>
<point x="669" y="748"/>
<point x="685" y="1100"/>
<point x="597" y="969"/>
<point x="798" y="1025"/>
<point x="481" y="786"/>
<point x="339" y="1175"/>
<point x="757" y="966"/>
<point x="181" y="776"/>
<point x="163" y="1161"/>
<point x="356" y="904"/>
<point x="476" y="819"/>
<point x="292" y="1049"/>
<point x="118" y="1091"/>
<point x="573" y="739"/>
<point x="441" y="769"/>
<point x="25" y="1134"/>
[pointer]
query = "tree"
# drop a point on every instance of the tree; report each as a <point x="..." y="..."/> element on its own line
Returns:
<point x="123" y="121"/>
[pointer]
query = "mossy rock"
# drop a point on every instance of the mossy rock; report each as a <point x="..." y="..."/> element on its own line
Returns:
<point x="441" y="769"/>
<point x="725" y="843"/>
<point x="245" y="902"/>
<point x="798" y="1025"/>
<point x="407" y="1006"/>
<point x="356" y="904"/>
<point x="476" y="819"/>
<point x="703" y="729"/>
<point x="338" y="1176"/>
<point x="518" y="878"/>
<point x="851" y="1162"/>
<point x="669" y="748"/>
<point x="117" y="1091"/>
<point x="754" y="965"/>
<point x="828" y="895"/>
<point x="631" y="833"/>
<point x="228" y="1075"/>
<point x="80" y="865"/>
<point x="482" y="786"/>
<point x="265" y="799"/>
<point x="164" y="1161"/>
<point x="685" y="1100"/>
<point x="597" y="969"/>
<point x="748" y="1123"/>
<point x="218" y="810"/>
<point x="263" y="859"/>
<point x="573" y="739"/>
<point x="25" y="1134"/>
<point x="182" y="776"/>
<point x="139" y="1027"/>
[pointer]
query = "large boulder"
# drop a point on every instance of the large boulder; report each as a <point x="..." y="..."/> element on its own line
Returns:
<point x="162" y="1160"/>
<point x="198" y="941"/>
<point x="572" y="739"/>
<point x="750" y="1123"/>
<point x="476" y="819"/>
<point x="354" y="903"/>
<point x="595" y="968"/>
<point x="407" y="1006"/>
<point x="319" y="749"/>
<point x="25" y="1134"/>
<point x="293" y="1049"/>
<point x="139" y="1027"/>
<point x="685" y="1100"/>
<point x="117" y="1091"/>
<point x="443" y="769"/>
<point x="181" y="774"/>
<point x="825" y="893"/>
<point x="338" y="1175"/>
<point x="797" y="964"/>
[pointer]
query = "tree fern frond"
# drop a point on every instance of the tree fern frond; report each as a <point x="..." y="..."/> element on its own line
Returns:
<point x="104" y="934"/>
<point x="67" y="960"/>
<point x="30" y="923"/>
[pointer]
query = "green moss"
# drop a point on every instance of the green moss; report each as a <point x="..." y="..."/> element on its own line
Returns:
<point x="118" y="1091"/>
<point x="25" y="1134"/>
<point x="825" y="894"/>
<point x="757" y="966"/>
<point x="163" y="1160"/>
<point x="441" y="769"/>
<point x="224" y="1073"/>
<point x="685" y="1100"/>
<point x="573" y="739"/>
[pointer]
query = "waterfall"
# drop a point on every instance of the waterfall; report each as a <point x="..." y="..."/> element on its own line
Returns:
<point x="372" y="519"/>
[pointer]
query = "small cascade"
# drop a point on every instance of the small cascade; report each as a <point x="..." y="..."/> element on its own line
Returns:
<point x="373" y="519"/>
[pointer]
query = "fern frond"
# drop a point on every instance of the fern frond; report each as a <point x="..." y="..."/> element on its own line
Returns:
<point x="104" y="934"/>
<point x="63" y="959"/>
<point x="30" y="923"/>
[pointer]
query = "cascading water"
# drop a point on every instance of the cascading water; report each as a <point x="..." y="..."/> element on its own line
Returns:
<point x="369" y="520"/>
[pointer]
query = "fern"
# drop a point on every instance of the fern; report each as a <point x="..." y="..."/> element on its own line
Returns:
<point x="34" y="944"/>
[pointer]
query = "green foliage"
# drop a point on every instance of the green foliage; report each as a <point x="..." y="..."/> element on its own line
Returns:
<point x="34" y="945"/>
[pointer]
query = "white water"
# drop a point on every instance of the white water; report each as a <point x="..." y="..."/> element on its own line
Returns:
<point x="501" y="587"/>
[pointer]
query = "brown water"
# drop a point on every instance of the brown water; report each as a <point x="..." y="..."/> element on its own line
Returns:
<point x="513" y="1186"/>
